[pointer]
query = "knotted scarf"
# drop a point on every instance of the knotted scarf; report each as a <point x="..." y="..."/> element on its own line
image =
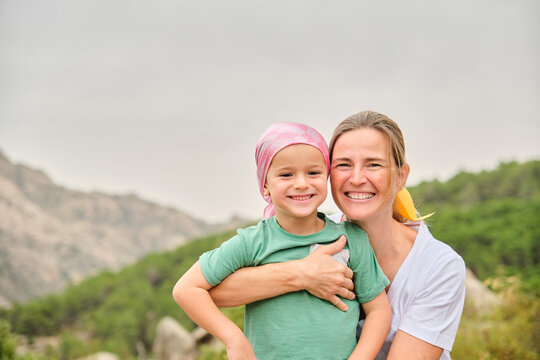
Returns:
<point x="277" y="137"/>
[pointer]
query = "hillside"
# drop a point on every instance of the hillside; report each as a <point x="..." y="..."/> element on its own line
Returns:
<point x="119" y="311"/>
<point x="51" y="236"/>
<point x="489" y="218"/>
<point x="511" y="180"/>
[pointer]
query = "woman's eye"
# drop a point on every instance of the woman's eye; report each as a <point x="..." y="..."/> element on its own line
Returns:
<point x="374" y="165"/>
<point x="342" y="165"/>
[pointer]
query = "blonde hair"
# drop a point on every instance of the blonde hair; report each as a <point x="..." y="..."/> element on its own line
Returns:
<point x="373" y="120"/>
<point x="382" y="123"/>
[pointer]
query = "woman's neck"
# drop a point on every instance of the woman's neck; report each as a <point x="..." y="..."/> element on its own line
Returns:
<point x="387" y="236"/>
<point x="391" y="242"/>
<point x="300" y="225"/>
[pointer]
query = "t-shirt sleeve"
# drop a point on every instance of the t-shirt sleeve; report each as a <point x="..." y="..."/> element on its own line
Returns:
<point x="219" y="263"/>
<point x="369" y="279"/>
<point x="435" y="311"/>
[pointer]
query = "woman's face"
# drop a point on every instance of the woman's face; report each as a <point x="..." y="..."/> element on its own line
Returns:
<point x="362" y="185"/>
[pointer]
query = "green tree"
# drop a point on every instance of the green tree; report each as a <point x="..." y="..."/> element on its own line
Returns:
<point x="7" y="344"/>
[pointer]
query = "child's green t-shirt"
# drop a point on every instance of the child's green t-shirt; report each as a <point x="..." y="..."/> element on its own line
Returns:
<point x="298" y="325"/>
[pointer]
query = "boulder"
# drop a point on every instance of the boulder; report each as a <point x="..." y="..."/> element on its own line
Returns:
<point x="101" y="356"/>
<point x="173" y="342"/>
<point x="203" y="337"/>
<point x="478" y="297"/>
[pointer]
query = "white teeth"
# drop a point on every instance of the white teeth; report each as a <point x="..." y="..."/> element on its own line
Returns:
<point x="358" y="196"/>
<point x="305" y="197"/>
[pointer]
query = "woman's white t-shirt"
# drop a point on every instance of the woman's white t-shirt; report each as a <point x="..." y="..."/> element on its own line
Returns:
<point x="427" y="293"/>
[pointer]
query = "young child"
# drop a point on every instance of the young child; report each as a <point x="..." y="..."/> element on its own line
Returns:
<point x="292" y="169"/>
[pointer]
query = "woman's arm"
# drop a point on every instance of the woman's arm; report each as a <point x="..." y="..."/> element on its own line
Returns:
<point x="407" y="347"/>
<point x="318" y="273"/>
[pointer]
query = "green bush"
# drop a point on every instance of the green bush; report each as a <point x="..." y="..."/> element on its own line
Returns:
<point x="208" y="353"/>
<point x="7" y="344"/>
<point x="118" y="310"/>
<point x="489" y="218"/>
<point x="512" y="331"/>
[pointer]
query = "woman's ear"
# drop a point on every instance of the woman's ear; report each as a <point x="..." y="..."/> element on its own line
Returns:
<point x="403" y="175"/>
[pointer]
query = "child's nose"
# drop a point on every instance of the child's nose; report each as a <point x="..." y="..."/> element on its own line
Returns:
<point x="301" y="182"/>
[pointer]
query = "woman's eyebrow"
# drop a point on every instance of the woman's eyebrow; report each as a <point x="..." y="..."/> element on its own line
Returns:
<point x="375" y="159"/>
<point x="341" y="159"/>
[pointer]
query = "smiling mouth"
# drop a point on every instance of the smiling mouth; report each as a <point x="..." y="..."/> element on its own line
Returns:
<point x="359" y="196"/>
<point x="302" y="197"/>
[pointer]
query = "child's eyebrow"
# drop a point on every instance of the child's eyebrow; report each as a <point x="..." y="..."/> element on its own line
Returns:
<point x="283" y="167"/>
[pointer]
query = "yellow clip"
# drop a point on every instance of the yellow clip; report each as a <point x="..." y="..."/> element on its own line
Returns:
<point x="404" y="206"/>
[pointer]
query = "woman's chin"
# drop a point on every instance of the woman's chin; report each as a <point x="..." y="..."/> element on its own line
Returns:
<point x="354" y="214"/>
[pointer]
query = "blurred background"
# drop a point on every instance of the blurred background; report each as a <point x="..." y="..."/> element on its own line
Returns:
<point x="129" y="127"/>
<point x="166" y="99"/>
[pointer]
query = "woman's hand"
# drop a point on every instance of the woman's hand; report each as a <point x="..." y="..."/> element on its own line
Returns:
<point x="325" y="277"/>
<point x="318" y="273"/>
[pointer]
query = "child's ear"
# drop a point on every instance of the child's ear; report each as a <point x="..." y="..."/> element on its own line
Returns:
<point x="266" y="191"/>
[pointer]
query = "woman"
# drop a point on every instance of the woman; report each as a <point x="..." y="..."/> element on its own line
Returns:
<point x="427" y="277"/>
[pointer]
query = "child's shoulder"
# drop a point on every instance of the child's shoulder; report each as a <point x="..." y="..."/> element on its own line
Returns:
<point x="345" y="226"/>
<point x="355" y="231"/>
<point x="255" y="230"/>
<point x="357" y="239"/>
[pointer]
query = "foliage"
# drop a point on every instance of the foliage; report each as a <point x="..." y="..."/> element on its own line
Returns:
<point x="489" y="218"/>
<point x="497" y="232"/>
<point x="207" y="353"/>
<point x="510" y="180"/>
<point x="71" y="347"/>
<point x="117" y="310"/>
<point x="7" y="344"/>
<point x="511" y="332"/>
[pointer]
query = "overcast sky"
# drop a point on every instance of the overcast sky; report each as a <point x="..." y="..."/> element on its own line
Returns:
<point x="166" y="99"/>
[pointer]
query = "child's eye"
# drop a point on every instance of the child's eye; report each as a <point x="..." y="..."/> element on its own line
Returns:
<point x="314" y="173"/>
<point x="285" y="175"/>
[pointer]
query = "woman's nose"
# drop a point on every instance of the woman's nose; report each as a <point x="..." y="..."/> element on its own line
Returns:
<point x="358" y="176"/>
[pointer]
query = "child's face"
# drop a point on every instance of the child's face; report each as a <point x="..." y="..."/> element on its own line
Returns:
<point x="296" y="181"/>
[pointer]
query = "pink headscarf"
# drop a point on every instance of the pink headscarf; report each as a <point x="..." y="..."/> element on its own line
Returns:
<point x="277" y="137"/>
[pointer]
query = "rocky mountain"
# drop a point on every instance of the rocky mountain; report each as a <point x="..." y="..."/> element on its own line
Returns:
<point x="51" y="236"/>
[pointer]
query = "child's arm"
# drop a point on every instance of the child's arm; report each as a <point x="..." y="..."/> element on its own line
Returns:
<point x="318" y="273"/>
<point x="191" y="293"/>
<point x="376" y="326"/>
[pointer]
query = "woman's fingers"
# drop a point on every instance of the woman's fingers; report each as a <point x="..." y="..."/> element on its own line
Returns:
<point x="348" y="274"/>
<point x="337" y="302"/>
<point x="334" y="247"/>
<point x="347" y="283"/>
<point x="327" y="278"/>
<point x="346" y="294"/>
